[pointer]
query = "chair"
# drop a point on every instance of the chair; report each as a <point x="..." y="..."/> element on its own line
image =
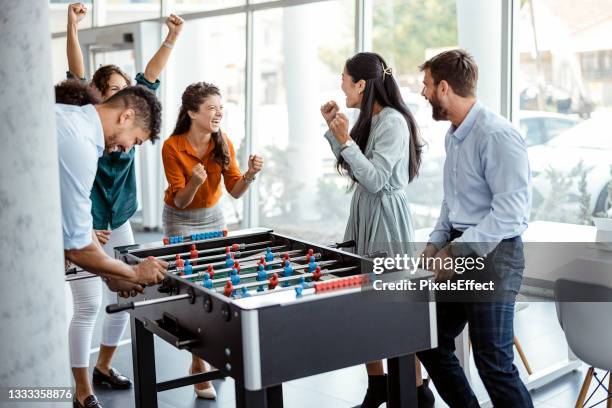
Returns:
<point x="521" y="304"/>
<point x="588" y="330"/>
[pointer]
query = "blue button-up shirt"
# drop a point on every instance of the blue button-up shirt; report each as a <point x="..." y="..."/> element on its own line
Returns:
<point x="80" y="142"/>
<point x="487" y="179"/>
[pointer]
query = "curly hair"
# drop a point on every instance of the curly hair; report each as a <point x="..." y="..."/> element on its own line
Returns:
<point x="76" y="92"/>
<point x="102" y="76"/>
<point x="145" y="105"/>
<point x="193" y="96"/>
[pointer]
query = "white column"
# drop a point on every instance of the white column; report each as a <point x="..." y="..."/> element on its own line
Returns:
<point x="34" y="335"/>
<point x="480" y="33"/>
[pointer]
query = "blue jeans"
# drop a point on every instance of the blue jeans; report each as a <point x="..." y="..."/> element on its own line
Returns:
<point x="491" y="331"/>
<point x="491" y="335"/>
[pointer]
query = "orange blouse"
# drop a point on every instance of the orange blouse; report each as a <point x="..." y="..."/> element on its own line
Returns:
<point x="179" y="158"/>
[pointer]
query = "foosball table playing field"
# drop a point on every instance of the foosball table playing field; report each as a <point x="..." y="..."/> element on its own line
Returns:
<point x="264" y="308"/>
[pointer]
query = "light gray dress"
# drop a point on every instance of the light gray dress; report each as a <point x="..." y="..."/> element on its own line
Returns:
<point x="380" y="217"/>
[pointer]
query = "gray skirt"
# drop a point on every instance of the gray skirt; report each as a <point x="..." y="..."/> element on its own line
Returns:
<point x="187" y="222"/>
<point x="380" y="222"/>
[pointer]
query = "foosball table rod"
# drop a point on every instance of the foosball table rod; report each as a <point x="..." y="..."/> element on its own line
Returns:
<point x="237" y="254"/>
<point x="228" y="270"/>
<point x="222" y="249"/>
<point x="243" y="266"/>
<point x="272" y="272"/>
<point x="120" y="307"/>
<point x="305" y="285"/>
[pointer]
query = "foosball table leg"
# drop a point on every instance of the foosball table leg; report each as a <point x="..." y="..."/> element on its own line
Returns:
<point x="401" y="382"/>
<point x="271" y="397"/>
<point x="143" y="357"/>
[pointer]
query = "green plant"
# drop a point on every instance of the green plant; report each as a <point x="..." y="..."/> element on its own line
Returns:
<point x="555" y="205"/>
<point x="607" y="210"/>
<point x="585" y="201"/>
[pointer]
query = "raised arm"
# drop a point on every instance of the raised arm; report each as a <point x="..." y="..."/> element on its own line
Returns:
<point x="76" y="13"/>
<point x="158" y="62"/>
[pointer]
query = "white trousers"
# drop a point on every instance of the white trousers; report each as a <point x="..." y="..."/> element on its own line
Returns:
<point x="87" y="297"/>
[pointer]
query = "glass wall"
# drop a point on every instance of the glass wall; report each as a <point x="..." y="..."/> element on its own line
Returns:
<point x="406" y="33"/>
<point x="564" y="87"/>
<point x="299" y="54"/>
<point x="58" y="14"/>
<point x="565" y="91"/>
<point x="124" y="11"/>
<point x="192" y="6"/>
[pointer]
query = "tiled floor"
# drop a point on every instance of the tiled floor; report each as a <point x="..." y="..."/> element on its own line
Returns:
<point x="536" y="327"/>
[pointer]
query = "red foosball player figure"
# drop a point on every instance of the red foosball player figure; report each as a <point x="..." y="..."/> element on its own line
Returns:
<point x="316" y="275"/>
<point x="211" y="271"/>
<point x="227" y="290"/>
<point x="180" y="264"/>
<point x="273" y="281"/>
<point x="193" y="253"/>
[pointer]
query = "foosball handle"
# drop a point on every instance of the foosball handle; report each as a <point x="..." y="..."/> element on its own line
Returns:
<point x="377" y="254"/>
<point x="119" y="307"/>
<point x="345" y="244"/>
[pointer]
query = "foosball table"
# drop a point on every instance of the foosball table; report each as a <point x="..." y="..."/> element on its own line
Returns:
<point x="264" y="308"/>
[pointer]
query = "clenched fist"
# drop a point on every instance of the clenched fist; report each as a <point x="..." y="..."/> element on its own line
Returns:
<point x="340" y="127"/>
<point x="255" y="164"/>
<point x="175" y="24"/>
<point x="198" y="174"/>
<point x="76" y="13"/>
<point x="150" y="271"/>
<point x="329" y="111"/>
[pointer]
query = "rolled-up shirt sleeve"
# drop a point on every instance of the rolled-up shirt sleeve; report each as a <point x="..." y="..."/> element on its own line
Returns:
<point x="333" y="143"/>
<point x="174" y="175"/>
<point x="507" y="173"/>
<point x="441" y="232"/>
<point x="76" y="205"/>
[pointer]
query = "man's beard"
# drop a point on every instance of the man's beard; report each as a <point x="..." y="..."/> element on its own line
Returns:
<point x="437" y="111"/>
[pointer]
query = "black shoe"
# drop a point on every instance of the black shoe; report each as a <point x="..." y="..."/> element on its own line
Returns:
<point x="377" y="392"/>
<point x="425" y="396"/>
<point x="90" y="402"/>
<point x="114" y="380"/>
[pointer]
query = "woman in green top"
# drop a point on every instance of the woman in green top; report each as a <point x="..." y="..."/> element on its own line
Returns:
<point x="113" y="202"/>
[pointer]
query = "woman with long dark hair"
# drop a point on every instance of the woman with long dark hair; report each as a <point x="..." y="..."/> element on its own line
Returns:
<point x="196" y="157"/>
<point x="381" y="154"/>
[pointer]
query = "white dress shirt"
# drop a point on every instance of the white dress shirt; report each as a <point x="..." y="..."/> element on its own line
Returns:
<point x="487" y="182"/>
<point x="80" y="142"/>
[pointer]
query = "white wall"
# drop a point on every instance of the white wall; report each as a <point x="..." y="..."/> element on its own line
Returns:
<point x="479" y="30"/>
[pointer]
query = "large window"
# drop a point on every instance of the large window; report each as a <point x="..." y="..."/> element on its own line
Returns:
<point x="298" y="58"/>
<point x="192" y="6"/>
<point x="298" y="51"/>
<point x="406" y="33"/>
<point x="565" y="89"/>
<point x="58" y="14"/>
<point x="124" y="11"/>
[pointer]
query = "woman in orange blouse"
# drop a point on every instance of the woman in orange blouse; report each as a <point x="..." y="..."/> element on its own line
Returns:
<point x="196" y="157"/>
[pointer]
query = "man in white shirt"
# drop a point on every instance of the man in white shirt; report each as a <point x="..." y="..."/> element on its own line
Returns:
<point x="131" y="116"/>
